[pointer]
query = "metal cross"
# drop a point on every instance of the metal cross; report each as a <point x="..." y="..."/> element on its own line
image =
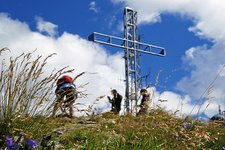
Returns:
<point x="133" y="49"/>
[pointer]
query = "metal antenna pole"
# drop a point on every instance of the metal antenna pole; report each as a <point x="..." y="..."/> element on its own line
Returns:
<point x="133" y="49"/>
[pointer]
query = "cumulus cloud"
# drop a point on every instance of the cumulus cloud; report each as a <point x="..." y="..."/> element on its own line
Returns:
<point x="46" y="27"/>
<point x="181" y="105"/>
<point x="202" y="62"/>
<point x="175" y="103"/>
<point x="206" y="75"/>
<point x="72" y="51"/>
<point x="93" y="7"/>
<point x="207" y="20"/>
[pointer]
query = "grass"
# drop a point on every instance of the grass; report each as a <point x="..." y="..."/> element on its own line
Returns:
<point x="157" y="130"/>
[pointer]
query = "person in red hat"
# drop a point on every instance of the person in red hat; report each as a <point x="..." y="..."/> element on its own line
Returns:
<point x="65" y="94"/>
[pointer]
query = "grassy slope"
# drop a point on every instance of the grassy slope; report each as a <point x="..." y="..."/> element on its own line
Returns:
<point x="22" y="81"/>
<point x="158" y="130"/>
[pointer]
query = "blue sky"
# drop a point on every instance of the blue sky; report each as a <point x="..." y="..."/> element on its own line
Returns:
<point x="186" y="29"/>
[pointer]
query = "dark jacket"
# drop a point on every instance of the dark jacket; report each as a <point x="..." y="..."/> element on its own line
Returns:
<point x="116" y="103"/>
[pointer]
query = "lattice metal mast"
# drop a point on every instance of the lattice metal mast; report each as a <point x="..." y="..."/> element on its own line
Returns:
<point x="133" y="76"/>
<point x="133" y="48"/>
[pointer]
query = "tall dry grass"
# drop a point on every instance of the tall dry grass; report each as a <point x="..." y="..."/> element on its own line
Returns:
<point x="25" y="90"/>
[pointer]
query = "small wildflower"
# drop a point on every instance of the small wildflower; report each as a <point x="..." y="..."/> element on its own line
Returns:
<point x="10" y="142"/>
<point x="32" y="143"/>
<point x="223" y="148"/>
<point x="187" y="125"/>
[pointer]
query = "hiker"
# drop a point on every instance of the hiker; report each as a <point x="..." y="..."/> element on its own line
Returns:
<point x="115" y="101"/>
<point x="144" y="101"/>
<point x="65" y="88"/>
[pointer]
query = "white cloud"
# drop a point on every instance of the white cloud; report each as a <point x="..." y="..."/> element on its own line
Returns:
<point x="201" y="61"/>
<point x="46" y="27"/>
<point x="183" y="105"/>
<point x="72" y="51"/>
<point x="204" y="66"/>
<point x="222" y="74"/>
<point x="206" y="14"/>
<point x="190" y="53"/>
<point x="93" y="7"/>
<point x="175" y="102"/>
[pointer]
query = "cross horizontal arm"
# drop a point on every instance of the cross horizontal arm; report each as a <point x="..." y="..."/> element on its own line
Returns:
<point x="120" y="42"/>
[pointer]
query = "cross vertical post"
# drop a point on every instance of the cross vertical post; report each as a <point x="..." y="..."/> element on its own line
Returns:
<point x="133" y="49"/>
<point x="131" y="57"/>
